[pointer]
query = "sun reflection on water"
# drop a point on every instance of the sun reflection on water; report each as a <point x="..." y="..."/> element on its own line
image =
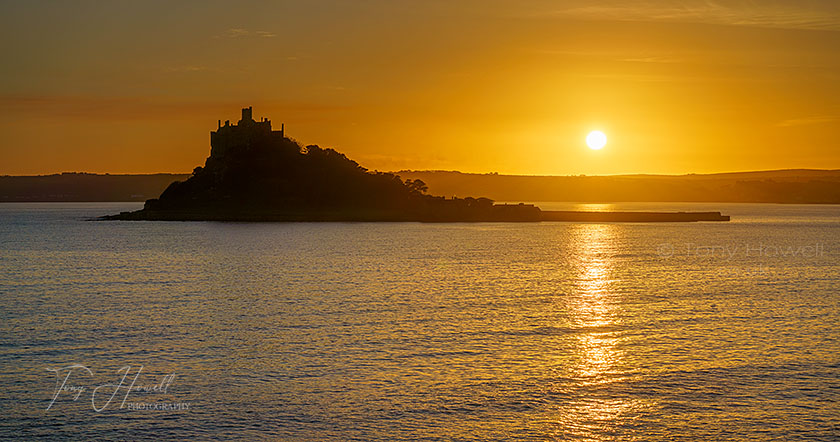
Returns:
<point x="594" y="310"/>
<point x="596" y="410"/>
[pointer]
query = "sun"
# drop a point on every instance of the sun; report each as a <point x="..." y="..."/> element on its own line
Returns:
<point x="596" y="140"/>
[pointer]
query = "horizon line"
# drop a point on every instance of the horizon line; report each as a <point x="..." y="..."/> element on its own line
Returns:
<point x="397" y="172"/>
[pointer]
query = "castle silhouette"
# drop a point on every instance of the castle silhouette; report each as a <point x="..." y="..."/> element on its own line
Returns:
<point x="246" y="132"/>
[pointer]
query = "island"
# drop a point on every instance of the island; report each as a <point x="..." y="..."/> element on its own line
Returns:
<point x="256" y="173"/>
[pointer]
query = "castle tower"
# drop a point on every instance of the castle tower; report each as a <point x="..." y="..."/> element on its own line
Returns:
<point x="248" y="114"/>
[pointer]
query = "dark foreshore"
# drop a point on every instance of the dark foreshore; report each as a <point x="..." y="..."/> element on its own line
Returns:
<point x="633" y="217"/>
<point x="497" y="213"/>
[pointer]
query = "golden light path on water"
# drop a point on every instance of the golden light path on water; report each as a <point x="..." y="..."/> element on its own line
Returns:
<point x="595" y="310"/>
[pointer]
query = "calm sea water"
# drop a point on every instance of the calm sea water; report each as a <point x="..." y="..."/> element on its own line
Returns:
<point x="342" y="331"/>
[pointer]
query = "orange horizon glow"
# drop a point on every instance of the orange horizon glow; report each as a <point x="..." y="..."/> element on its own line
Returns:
<point x="471" y="86"/>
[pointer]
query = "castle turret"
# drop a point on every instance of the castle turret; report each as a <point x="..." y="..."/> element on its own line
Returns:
<point x="247" y="114"/>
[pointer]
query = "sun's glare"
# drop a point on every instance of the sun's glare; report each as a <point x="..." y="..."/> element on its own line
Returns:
<point x="596" y="140"/>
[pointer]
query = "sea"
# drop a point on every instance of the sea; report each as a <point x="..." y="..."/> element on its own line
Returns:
<point x="138" y="330"/>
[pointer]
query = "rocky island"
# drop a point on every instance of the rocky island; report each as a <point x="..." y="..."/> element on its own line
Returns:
<point x="255" y="173"/>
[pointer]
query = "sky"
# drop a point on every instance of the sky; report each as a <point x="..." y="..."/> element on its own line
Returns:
<point x="479" y="86"/>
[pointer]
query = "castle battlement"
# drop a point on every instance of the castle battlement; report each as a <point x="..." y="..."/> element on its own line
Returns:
<point x="242" y="134"/>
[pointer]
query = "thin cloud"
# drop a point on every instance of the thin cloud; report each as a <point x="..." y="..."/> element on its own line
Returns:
<point x="237" y="33"/>
<point x="246" y="33"/>
<point x="188" y="68"/>
<point x="137" y="108"/>
<point x="793" y="15"/>
<point x="611" y="55"/>
<point x="805" y="121"/>
<point x="657" y="60"/>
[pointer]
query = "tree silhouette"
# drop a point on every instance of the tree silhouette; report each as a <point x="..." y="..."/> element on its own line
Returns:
<point x="417" y="186"/>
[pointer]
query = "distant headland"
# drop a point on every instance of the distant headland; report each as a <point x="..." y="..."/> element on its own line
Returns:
<point x="255" y="173"/>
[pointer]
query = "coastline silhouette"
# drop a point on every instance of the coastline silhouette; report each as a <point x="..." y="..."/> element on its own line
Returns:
<point x="803" y="186"/>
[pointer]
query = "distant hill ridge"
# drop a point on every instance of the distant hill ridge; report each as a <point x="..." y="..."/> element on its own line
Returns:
<point x="816" y="186"/>
<point x="803" y="186"/>
<point x="79" y="186"/>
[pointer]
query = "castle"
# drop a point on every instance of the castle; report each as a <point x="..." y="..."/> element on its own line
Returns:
<point x="243" y="134"/>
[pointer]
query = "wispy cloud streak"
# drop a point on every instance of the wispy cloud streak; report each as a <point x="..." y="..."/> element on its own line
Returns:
<point x="771" y="14"/>
<point x="138" y="108"/>
<point x="246" y="33"/>
<point x="804" y="121"/>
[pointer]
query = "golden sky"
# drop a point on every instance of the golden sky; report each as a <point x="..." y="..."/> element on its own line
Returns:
<point x="476" y="86"/>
